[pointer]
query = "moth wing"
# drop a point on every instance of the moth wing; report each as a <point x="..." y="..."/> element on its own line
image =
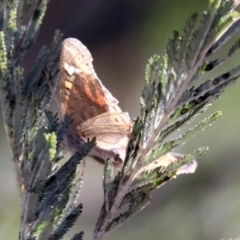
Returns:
<point x="108" y="127"/>
<point x="95" y="111"/>
<point x="81" y="92"/>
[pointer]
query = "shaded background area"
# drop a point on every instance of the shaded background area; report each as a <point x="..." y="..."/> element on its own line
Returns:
<point x="121" y="36"/>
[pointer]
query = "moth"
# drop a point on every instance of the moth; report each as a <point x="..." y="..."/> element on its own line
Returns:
<point x="95" y="112"/>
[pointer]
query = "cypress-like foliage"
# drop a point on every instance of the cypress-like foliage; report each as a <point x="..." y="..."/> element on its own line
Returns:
<point x="175" y="93"/>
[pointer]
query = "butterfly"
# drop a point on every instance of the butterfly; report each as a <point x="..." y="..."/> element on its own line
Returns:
<point x="95" y="112"/>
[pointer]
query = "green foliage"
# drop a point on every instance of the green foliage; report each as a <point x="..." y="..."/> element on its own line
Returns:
<point x="47" y="187"/>
<point x="68" y="223"/>
<point x="175" y="92"/>
<point x="77" y="236"/>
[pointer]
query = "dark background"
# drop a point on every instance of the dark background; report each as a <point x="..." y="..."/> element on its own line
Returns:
<point x="121" y="36"/>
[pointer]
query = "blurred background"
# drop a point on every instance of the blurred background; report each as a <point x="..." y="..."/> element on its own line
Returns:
<point x="121" y="36"/>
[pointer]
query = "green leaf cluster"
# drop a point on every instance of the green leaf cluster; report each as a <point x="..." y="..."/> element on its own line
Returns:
<point x="48" y="188"/>
<point x="175" y="92"/>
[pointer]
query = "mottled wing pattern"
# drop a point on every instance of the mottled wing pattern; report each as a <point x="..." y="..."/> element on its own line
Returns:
<point x="81" y="93"/>
<point x="109" y="126"/>
<point x="95" y="111"/>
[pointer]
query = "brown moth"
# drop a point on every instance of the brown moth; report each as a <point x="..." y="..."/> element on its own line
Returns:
<point x="94" y="110"/>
